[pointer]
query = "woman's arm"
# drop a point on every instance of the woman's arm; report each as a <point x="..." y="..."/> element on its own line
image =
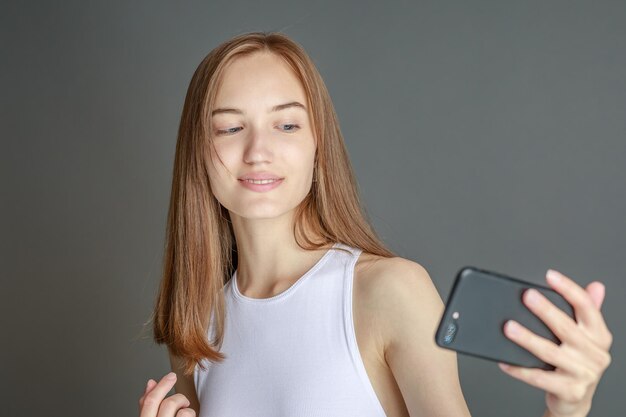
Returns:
<point x="409" y="309"/>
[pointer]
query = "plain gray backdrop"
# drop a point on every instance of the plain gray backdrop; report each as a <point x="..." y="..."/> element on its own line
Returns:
<point x="485" y="133"/>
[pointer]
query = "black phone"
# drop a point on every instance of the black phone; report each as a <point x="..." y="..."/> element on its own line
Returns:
<point x="477" y="308"/>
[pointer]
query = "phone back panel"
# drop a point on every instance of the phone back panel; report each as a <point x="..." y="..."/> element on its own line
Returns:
<point x="484" y="301"/>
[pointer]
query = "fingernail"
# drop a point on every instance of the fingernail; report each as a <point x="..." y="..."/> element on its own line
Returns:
<point x="553" y="276"/>
<point x="512" y="327"/>
<point x="503" y="366"/>
<point x="532" y="297"/>
<point x="171" y="375"/>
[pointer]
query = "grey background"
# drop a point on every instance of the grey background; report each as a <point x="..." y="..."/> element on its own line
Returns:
<point x="486" y="133"/>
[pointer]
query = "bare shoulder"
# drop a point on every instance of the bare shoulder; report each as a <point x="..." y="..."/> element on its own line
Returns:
<point x="401" y="301"/>
<point x="184" y="383"/>
<point x="390" y="285"/>
<point x="376" y="273"/>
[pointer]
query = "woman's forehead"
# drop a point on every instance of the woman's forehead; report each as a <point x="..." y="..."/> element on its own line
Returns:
<point x="259" y="78"/>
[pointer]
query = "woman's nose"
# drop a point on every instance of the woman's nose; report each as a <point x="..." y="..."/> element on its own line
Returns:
<point x="258" y="145"/>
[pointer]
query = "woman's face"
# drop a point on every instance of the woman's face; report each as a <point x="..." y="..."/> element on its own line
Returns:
<point x="261" y="129"/>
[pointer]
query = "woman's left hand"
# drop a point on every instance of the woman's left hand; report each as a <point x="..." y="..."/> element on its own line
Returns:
<point x="580" y="359"/>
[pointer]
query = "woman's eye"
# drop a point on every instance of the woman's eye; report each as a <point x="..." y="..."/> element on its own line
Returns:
<point x="227" y="131"/>
<point x="292" y="127"/>
<point x="288" y="127"/>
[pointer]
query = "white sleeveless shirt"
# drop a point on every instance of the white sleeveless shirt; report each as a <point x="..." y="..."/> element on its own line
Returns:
<point x="294" y="354"/>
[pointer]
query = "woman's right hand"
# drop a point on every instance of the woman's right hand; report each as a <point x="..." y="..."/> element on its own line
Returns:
<point x="154" y="404"/>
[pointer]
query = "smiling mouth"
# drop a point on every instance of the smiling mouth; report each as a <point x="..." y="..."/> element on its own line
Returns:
<point x="261" y="181"/>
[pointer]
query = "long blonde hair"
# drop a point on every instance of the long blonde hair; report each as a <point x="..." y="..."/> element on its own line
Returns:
<point x="200" y="246"/>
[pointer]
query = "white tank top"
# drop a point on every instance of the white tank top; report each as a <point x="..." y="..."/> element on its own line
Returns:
<point x="291" y="355"/>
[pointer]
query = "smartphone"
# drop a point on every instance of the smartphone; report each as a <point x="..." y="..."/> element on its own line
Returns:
<point x="477" y="308"/>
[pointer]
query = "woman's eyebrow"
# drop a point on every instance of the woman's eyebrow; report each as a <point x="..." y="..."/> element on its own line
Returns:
<point x="273" y="109"/>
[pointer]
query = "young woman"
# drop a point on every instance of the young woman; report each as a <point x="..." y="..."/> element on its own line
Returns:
<point x="278" y="298"/>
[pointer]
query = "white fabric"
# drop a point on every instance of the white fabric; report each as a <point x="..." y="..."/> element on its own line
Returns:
<point x="294" y="354"/>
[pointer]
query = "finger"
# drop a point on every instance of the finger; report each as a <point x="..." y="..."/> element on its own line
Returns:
<point x="585" y="310"/>
<point x="562" y="325"/>
<point x="590" y="316"/>
<point x="542" y="348"/>
<point x="186" y="412"/>
<point x="553" y="382"/>
<point x="152" y="400"/>
<point x="151" y="383"/>
<point x="585" y="361"/>
<point x="596" y="291"/>
<point x="172" y="404"/>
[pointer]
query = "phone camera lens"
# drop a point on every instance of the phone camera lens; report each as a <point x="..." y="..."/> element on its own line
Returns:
<point x="450" y="333"/>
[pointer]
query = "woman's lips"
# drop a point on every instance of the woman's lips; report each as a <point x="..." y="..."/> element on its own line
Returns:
<point x="261" y="187"/>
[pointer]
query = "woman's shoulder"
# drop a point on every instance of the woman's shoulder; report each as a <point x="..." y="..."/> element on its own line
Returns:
<point x="380" y="270"/>
<point x="397" y="292"/>
<point x="400" y="305"/>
